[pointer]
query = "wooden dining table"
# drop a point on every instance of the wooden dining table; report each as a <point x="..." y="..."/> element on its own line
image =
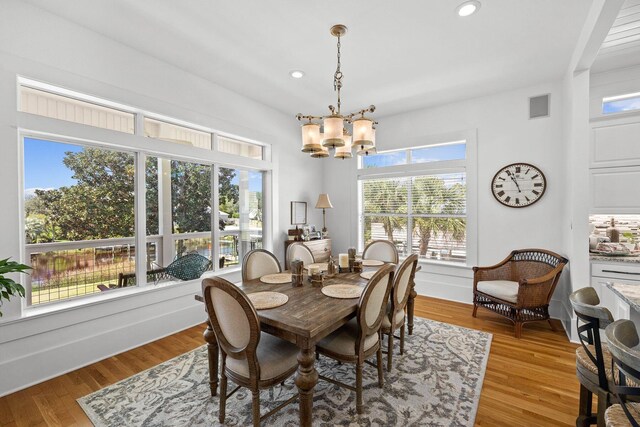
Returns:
<point x="306" y="318"/>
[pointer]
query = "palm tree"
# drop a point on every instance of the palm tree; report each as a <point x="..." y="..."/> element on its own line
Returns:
<point x="386" y="196"/>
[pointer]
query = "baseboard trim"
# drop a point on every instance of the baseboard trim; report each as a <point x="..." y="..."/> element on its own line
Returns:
<point x="69" y="354"/>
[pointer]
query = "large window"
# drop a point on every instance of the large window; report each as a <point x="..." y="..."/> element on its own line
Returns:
<point x="421" y="208"/>
<point x="81" y="200"/>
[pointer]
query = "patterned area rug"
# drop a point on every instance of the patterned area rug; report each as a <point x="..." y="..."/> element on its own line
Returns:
<point x="436" y="382"/>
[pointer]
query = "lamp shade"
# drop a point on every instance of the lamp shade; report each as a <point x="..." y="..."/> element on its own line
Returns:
<point x="310" y="138"/>
<point x="344" y="152"/>
<point x="322" y="152"/>
<point x="362" y="132"/>
<point x="333" y="131"/>
<point x="324" y="202"/>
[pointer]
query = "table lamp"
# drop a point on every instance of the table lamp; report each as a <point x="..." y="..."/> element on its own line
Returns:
<point x="324" y="203"/>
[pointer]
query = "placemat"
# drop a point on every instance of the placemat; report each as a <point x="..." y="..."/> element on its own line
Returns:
<point x="372" y="263"/>
<point x="276" y="278"/>
<point x="342" y="291"/>
<point x="367" y="274"/>
<point x="265" y="300"/>
<point x="323" y="266"/>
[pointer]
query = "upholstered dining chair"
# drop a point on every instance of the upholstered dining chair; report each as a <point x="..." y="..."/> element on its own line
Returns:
<point x="593" y="359"/>
<point x="360" y="338"/>
<point x="257" y="263"/>
<point x="625" y="354"/>
<point x="395" y="317"/>
<point x="381" y="250"/>
<point x="299" y="251"/>
<point x="250" y="358"/>
<point x="519" y="287"/>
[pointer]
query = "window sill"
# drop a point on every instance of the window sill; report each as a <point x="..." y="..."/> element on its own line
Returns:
<point x="445" y="263"/>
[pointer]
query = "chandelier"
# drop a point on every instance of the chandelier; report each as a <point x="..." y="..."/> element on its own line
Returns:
<point x="335" y="133"/>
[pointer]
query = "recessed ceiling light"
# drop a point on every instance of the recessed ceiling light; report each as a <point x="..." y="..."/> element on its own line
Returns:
<point x="297" y="74"/>
<point x="468" y="8"/>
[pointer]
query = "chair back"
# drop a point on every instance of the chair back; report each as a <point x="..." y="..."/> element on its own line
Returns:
<point x="623" y="344"/>
<point x="299" y="251"/>
<point x="372" y="305"/>
<point x="527" y="263"/>
<point x="591" y="318"/>
<point x="234" y="321"/>
<point x="189" y="266"/>
<point x="402" y="284"/>
<point x="257" y="263"/>
<point x="381" y="250"/>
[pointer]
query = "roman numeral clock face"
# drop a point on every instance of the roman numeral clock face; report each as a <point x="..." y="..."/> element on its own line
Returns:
<point x="518" y="185"/>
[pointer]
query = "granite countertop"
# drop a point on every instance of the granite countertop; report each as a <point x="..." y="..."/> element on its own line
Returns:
<point x="604" y="258"/>
<point x="629" y="293"/>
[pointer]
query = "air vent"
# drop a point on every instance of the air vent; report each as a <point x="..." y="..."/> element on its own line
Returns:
<point x="539" y="106"/>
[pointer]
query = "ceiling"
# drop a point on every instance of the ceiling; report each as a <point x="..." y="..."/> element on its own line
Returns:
<point x="621" y="47"/>
<point x="397" y="55"/>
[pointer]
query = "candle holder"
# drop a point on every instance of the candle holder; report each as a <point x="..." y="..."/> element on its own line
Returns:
<point x="331" y="267"/>
<point x="316" y="279"/>
<point x="352" y="257"/>
<point x="357" y="266"/>
<point x="296" y="273"/>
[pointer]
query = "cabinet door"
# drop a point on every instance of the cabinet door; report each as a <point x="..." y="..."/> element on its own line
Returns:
<point x="615" y="190"/>
<point x="615" y="143"/>
<point x="618" y="308"/>
<point x="321" y="249"/>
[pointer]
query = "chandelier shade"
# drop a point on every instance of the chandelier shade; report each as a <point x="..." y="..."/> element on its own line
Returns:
<point x="363" y="132"/>
<point x="336" y="125"/>
<point x="333" y="131"/>
<point x="322" y="151"/>
<point x="344" y="152"/>
<point x="311" y="138"/>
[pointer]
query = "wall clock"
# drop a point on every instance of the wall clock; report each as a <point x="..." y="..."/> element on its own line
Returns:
<point x="518" y="185"/>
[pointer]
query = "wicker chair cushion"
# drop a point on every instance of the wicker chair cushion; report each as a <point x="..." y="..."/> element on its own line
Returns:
<point x="615" y="416"/>
<point x="583" y="360"/>
<point x="343" y="340"/>
<point x="506" y="290"/>
<point x="275" y="357"/>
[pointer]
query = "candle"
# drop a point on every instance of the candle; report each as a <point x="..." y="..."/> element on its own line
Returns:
<point x="343" y="260"/>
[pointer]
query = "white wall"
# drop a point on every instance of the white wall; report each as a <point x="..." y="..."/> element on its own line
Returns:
<point x="38" y="45"/>
<point x="505" y="135"/>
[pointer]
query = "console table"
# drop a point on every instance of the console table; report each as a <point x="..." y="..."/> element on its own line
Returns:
<point x="321" y="250"/>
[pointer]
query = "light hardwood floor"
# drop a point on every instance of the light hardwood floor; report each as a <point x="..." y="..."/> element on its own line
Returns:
<point x="529" y="382"/>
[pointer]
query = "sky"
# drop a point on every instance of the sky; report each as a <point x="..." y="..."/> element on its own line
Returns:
<point x="419" y="155"/>
<point x="44" y="169"/>
<point x="621" y="105"/>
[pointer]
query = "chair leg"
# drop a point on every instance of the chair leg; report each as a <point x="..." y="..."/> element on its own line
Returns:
<point x="518" y="330"/>
<point x="389" y="350"/>
<point x="584" y="408"/>
<point x="553" y="328"/>
<point x="402" y="339"/>
<point x="255" y="407"/>
<point x="475" y="308"/>
<point x="223" y="396"/>
<point x="603" y="404"/>
<point x="379" y="363"/>
<point x="359" y="387"/>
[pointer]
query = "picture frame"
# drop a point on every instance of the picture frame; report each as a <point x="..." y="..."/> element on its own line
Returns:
<point x="298" y="213"/>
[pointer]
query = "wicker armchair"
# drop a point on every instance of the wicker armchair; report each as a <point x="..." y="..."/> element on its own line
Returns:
<point x="520" y="287"/>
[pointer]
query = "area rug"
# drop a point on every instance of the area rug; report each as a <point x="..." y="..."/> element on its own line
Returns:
<point x="436" y="382"/>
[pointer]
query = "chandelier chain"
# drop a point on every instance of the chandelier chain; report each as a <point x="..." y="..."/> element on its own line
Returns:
<point x="337" y="77"/>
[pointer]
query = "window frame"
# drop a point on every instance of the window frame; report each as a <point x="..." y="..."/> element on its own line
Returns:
<point x="46" y="128"/>
<point x="408" y="170"/>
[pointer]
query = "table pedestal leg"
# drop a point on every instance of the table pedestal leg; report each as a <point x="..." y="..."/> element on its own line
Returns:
<point x="212" y="351"/>
<point x="306" y="380"/>
<point x="410" y="304"/>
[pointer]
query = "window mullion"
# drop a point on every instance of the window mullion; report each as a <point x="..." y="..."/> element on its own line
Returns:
<point x="409" y="211"/>
<point x="140" y="219"/>
<point x="215" y="218"/>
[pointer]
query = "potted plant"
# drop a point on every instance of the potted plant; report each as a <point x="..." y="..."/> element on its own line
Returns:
<point x="8" y="287"/>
